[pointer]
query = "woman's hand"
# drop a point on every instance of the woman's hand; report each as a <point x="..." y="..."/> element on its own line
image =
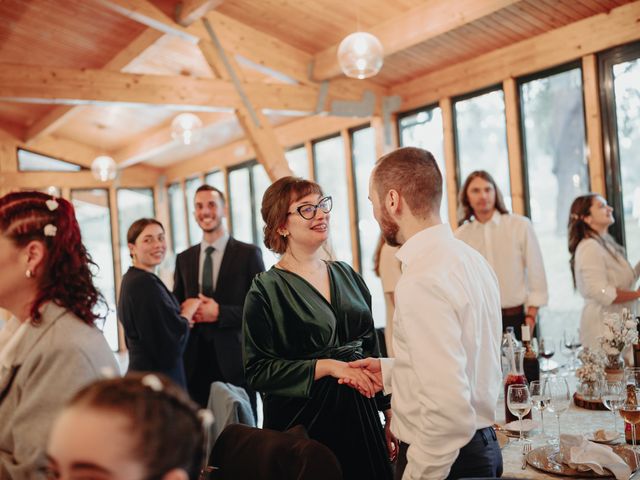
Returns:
<point x="189" y="308"/>
<point x="393" y="444"/>
<point x="354" y="377"/>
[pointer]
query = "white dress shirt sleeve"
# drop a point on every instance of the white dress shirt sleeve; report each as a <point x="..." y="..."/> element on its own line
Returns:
<point x="591" y="268"/>
<point x="446" y="420"/>
<point x="538" y="294"/>
<point x="387" y="374"/>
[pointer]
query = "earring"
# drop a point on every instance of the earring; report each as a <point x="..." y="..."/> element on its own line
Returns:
<point x="283" y="233"/>
<point x="28" y="273"/>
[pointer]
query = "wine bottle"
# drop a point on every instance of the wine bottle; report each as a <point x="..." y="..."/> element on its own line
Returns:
<point x="530" y="364"/>
<point x="631" y="400"/>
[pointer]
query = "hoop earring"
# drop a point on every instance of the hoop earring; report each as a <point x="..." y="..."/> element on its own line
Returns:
<point x="28" y="274"/>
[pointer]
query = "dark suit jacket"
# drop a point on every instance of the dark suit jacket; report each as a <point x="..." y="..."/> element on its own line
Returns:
<point x="240" y="263"/>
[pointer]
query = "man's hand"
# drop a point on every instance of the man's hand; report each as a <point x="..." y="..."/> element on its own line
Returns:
<point x="208" y="311"/>
<point x="369" y="367"/>
<point x="189" y="308"/>
<point x="393" y="444"/>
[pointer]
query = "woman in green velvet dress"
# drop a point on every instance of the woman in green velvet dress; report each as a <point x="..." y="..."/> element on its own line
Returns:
<point x="303" y="320"/>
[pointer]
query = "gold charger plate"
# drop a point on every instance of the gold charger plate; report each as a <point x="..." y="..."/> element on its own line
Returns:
<point x="544" y="459"/>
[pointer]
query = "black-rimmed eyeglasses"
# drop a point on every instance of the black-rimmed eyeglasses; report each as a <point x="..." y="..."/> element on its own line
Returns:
<point x="308" y="211"/>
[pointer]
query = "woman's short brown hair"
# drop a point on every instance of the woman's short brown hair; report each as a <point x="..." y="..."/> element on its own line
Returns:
<point x="275" y="208"/>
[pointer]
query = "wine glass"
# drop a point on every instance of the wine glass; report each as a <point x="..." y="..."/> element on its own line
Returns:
<point x="539" y="399"/>
<point x="559" y="398"/>
<point x="613" y="396"/>
<point x="572" y="343"/>
<point x="631" y="414"/>
<point x="547" y="350"/>
<point x="519" y="404"/>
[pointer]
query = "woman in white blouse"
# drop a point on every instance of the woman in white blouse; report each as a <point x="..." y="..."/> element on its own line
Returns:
<point x="601" y="272"/>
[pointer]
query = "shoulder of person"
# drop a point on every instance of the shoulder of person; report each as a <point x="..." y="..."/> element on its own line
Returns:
<point x="590" y="246"/>
<point x="187" y="252"/>
<point x="136" y="277"/>
<point x="240" y="245"/>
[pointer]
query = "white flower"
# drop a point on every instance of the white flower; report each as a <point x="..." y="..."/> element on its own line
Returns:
<point x="50" y="230"/>
<point x="52" y="204"/>
<point x="153" y="382"/>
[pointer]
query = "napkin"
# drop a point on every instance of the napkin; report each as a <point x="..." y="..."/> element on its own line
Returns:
<point x="583" y="455"/>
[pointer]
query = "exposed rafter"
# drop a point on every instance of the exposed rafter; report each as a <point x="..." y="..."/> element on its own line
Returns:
<point x="190" y="11"/>
<point x="413" y="27"/>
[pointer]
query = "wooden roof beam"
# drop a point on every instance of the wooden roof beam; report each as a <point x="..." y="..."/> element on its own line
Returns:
<point x="36" y="84"/>
<point x="417" y="25"/>
<point x="190" y="11"/>
<point x="56" y="117"/>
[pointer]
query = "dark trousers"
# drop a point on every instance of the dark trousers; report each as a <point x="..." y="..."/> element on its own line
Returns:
<point x="481" y="457"/>
<point x="514" y="317"/>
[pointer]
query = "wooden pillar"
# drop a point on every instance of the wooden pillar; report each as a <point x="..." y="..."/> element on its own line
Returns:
<point x="353" y="204"/>
<point x="593" y="116"/>
<point x="514" y="144"/>
<point x="446" y="107"/>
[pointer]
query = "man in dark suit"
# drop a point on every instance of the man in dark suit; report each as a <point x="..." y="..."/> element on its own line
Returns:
<point x="219" y="271"/>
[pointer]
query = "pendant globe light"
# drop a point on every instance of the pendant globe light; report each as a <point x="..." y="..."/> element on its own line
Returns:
<point x="186" y="127"/>
<point x="360" y="55"/>
<point x="104" y="168"/>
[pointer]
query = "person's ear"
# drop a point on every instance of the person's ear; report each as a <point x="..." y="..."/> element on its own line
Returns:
<point x="176" y="474"/>
<point x="132" y="249"/>
<point x="35" y="253"/>
<point x="392" y="202"/>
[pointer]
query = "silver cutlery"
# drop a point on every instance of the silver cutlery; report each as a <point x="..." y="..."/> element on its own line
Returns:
<point x="526" y="448"/>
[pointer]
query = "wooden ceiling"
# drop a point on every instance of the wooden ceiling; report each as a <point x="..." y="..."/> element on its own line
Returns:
<point x="273" y="42"/>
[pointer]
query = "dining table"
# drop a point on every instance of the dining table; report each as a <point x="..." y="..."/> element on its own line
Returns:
<point x="574" y="421"/>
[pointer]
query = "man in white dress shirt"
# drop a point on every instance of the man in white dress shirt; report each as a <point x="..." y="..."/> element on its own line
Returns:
<point x="509" y="244"/>
<point x="446" y="376"/>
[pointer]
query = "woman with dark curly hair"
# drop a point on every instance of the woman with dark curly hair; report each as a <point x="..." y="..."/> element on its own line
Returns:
<point x="119" y="429"/>
<point x="51" y="347"/>
<point x="304" y="319"/>
<point x="601" y="272"/>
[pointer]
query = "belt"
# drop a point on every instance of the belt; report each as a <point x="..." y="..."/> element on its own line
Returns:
<point x="507" y="312"/>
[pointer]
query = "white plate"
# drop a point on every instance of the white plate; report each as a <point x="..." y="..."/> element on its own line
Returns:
<point x="610" y="437"/>
<point x="527" y="426"/>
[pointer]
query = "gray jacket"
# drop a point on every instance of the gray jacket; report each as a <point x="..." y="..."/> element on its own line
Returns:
<point x="53" y="361"/>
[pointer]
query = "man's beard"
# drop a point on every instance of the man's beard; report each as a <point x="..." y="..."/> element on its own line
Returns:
<point x="215" y="227"/>
<point x="389" y="229"/>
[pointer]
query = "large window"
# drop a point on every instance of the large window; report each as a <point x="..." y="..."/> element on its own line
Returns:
<point x="190" y="187"/>
<point x="215" y="179"/>
<point x="423" y="129"/>
<point x="298" y="162"/>
<point x="364" y="158"/>
<point x="481" y="141"/>
<point x="132" y="205"/>
<point x="620" y="70"/>
<point x="177" y="214"/>
<point x="34" y="162"/>
<point x="240" y="204"/>
<point x="331" y="174"/>
<point x="94" y="218"/>
<point x="261" y="182"/>
<point x="554" y="141"/>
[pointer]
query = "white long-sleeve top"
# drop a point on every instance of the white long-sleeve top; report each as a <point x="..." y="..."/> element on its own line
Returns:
<point x="598" y="276"/>
<point x="446" y="375"/>
<point x="510" y="245"/>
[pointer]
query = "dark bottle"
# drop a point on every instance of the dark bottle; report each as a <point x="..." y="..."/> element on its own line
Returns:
<point x="530" y="364"/>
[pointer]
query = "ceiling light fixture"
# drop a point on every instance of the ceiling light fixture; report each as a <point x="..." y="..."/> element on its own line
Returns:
<point x="187" y="128"/>
<point x="360" y="55"/>
<point x="104" y="168"/>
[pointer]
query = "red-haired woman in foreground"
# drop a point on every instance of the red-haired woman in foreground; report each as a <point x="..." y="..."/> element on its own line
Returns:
<point x="51" y="347"/>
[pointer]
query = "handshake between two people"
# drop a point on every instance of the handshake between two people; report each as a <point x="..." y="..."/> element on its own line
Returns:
<point x="364" y="375"/>
<point x="200" y="309"/>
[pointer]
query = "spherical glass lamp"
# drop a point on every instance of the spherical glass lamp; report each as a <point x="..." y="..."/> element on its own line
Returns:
<point x="186" y="127"/>
<point x="104" y="168"/>
<point x="360" y="55"/>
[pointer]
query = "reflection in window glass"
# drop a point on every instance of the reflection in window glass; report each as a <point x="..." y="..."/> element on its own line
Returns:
<point x="482" y="139"/>
<point x="557" y="173"/>
<point x="215" y="179"/>
<point x="177" y="215"/>
<point x="190" y="187"/>
<point x="30" y="161"/>
<point x="627" y="97"/>
<point x="132" y="205"/>
<point x="364" y="158"/>
<point x="298" y="162"/>
<point x="92" y="212"/>
<point x="240" y="203"/>
<point x="331" y="168"/>
<point x="260" y="184"/>
<point x="424" y="130"/>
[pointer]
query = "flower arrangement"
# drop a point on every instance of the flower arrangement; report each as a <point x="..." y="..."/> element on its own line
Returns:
<point x="593" y="363"/>
<point x="620" y="331"/>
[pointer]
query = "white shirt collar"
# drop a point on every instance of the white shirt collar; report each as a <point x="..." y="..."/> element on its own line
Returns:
<point x="219" y="245"/>
<point x="495" y="219"/>
<point x="422" y="241"/>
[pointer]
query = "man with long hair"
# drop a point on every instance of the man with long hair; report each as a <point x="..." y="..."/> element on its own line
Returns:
<point x="509" y="244"/>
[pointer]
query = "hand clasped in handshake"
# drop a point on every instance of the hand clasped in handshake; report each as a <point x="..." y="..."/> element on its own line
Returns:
<point x="364" y="375"/>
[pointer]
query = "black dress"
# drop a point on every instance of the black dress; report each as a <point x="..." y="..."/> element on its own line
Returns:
<point x="288" y="326"/>
<point x="155" y="333"/>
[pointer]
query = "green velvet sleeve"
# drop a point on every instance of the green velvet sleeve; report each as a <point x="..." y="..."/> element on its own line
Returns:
<point x="266" y="369"/>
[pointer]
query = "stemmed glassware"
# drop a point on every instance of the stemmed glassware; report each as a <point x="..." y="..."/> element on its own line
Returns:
<point x="631" y="414"/>
<point x="539" y="399"/>
<point x="572" y="342"/>
<point x="519" y="403"/>
<point x="613" y="396"/>
<point x="559" y="398"/>
<point x="547" y="350"/>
